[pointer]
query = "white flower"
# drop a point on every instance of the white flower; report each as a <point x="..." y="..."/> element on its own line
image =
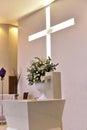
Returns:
<point x="42" y="78"/>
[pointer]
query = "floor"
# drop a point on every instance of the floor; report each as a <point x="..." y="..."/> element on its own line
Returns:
<point x="3" y="127"/>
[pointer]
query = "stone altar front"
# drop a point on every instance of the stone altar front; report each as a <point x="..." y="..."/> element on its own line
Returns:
<point x="34" y="115"/>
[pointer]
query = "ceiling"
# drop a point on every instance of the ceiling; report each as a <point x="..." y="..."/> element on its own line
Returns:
<point x="12" y="10"/>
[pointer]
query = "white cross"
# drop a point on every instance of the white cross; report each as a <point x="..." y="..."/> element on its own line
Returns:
<point x="47" y="32"/>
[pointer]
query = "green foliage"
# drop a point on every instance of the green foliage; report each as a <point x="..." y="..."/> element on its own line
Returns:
<point x="38" y="68"/>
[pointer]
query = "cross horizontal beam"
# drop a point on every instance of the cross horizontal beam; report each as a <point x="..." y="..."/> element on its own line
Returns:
<point x="52" y="29"/>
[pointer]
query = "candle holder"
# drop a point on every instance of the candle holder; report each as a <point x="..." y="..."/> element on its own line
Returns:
<point x="2" y="117"/>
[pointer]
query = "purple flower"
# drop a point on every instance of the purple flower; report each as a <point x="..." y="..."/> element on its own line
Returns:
<point x="2" y="73"/>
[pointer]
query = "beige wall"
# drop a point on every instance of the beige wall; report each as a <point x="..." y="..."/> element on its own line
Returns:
<point x="13" y="47"/>
<point x="69" y="48"/>
<point x="8" y="52"/>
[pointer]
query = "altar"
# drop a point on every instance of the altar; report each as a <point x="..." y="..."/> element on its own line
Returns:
<point x="34" y="115"/>
<point x="37" y="114"/>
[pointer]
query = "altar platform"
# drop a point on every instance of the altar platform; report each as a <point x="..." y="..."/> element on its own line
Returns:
<point x="34" y="114"/>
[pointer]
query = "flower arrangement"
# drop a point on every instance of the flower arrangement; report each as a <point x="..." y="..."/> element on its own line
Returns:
<point x="38" y="69"/>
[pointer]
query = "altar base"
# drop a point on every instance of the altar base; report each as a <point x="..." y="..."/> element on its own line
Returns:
<point x="34" y="115"/>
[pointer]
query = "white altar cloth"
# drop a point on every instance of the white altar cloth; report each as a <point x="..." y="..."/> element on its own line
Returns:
<point x="33" y="115"/>
<point x="5" y="97"/>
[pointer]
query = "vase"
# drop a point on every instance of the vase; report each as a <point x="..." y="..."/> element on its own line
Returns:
<point x="41" y="88"/>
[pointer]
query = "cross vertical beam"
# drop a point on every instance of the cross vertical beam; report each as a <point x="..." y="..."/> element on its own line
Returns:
<point x="48" y="35"/>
